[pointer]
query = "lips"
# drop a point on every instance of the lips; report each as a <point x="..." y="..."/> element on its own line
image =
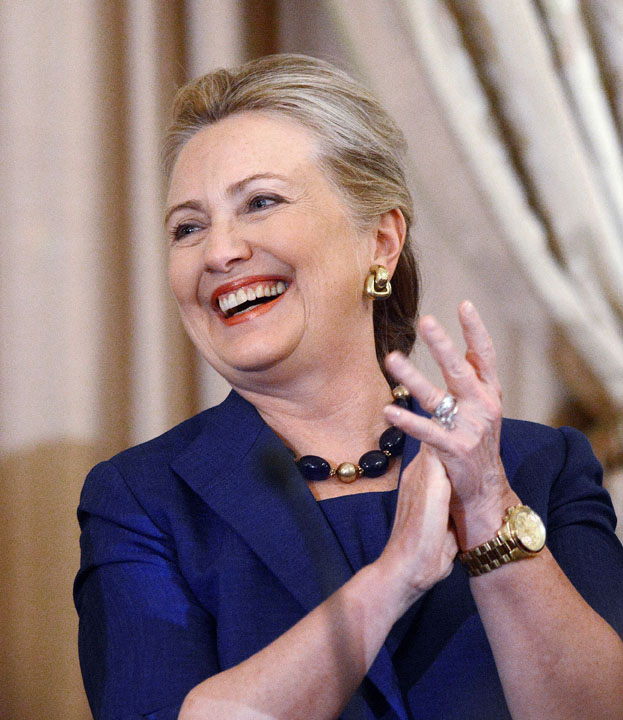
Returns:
<point x="248" y="297"/>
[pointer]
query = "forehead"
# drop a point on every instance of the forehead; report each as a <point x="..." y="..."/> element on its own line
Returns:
<point x="242" y="145"/>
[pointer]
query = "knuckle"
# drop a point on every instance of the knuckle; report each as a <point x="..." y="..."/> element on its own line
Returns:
<point x="464" y="446"/>
<point x="432" y="399"/>
<point x="459" y="370"/>
<point x="492" y="407"/>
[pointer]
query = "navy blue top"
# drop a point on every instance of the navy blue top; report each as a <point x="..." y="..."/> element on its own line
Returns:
<point x="362" y="524"/>
<point x="202" y="546"/>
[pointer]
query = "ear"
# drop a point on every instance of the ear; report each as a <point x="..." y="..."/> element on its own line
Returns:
<point x="389" y="238"/>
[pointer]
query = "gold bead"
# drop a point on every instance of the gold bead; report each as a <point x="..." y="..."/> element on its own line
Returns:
<point x="400" y="391"/>
<point x="347" y="472"/>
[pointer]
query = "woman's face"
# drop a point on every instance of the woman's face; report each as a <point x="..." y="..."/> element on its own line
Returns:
<point x="265" y="263"/>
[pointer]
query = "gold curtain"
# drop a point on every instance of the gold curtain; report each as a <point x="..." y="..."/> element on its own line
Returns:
<point x="93" y="356"/>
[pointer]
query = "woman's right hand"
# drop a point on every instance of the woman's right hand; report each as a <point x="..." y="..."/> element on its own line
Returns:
<point x="421" y="549"/>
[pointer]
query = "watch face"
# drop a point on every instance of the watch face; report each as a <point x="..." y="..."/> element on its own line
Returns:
<point x="529" y="529"/>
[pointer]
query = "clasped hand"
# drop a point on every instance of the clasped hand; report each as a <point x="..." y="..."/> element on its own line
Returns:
<point x="453" y="493"/>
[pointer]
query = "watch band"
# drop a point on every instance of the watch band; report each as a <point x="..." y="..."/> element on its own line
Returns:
<point x="522" y="535"/>
<point x="489" y="556"/>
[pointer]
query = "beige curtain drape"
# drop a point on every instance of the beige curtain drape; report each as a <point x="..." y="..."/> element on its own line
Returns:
<point x="513" y="110"/>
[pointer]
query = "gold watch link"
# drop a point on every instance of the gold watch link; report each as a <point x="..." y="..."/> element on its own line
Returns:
<point x="522" y="535"/>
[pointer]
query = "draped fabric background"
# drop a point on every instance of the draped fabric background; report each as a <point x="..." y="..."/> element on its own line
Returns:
<point x="514" y="114"/>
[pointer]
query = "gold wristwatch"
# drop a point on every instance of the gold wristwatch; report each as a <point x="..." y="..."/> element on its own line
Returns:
<point x="522" y="535"/>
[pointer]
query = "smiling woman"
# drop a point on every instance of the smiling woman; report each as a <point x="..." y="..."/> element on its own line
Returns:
<point x="246" y="564"/>
<point x="250" y="205"/>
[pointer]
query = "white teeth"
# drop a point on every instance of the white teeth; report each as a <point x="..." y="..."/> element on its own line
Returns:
<point x="241" y="296"/>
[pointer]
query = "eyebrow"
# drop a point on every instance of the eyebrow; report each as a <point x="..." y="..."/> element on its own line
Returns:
<point x="232" y="190"/>
<point x="188" y="205"/>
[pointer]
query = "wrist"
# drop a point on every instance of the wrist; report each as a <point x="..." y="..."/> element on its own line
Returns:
<point x="478" y="523"/>
<point x="399" y="590"/>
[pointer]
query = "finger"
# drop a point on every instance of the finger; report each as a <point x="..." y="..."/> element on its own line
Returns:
<point x="419" y="386"/>
<point x="459" y="375"/>
<point x="480" y="350"/>
<point x="419" y="427"/>
<point x="451" y="545"/>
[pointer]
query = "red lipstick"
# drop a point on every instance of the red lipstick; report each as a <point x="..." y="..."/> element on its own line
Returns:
<point x="242" y="282"/>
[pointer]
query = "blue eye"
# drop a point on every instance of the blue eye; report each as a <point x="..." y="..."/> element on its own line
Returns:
<point x="261" y="202"/>
<point x="183" y="230"/>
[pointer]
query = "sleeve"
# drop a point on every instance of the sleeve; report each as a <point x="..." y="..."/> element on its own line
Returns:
<point x="144" y="641"/>
<point x="581" y="524"/>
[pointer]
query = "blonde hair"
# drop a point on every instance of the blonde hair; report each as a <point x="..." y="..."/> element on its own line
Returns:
<point x="362" y="151"/>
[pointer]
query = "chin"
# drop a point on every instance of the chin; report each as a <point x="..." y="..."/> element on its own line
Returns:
<point x="253" y="358"/>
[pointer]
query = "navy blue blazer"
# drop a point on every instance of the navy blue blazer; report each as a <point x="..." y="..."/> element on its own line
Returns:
<point x="202" y="546"/>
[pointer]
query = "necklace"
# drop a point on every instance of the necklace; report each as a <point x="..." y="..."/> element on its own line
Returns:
<point x="372" y="464"/>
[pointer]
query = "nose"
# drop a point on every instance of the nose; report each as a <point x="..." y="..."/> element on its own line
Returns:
<point x="224" y="248"/>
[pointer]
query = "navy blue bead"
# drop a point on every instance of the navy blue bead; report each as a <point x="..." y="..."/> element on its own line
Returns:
<point x="402" y="402"/>
<point x="374" y="463"/>
<point x="392" y="440"/>
<point x="313" y="467"/>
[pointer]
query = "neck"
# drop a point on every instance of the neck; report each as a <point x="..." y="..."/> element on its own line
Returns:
<point x="335" y="412"/>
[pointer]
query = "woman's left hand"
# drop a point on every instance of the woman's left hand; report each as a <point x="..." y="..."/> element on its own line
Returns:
<point x="470" y="451"/>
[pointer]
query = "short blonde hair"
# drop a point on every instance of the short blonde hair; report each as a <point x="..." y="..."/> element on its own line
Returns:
<point x="362" y="151"/>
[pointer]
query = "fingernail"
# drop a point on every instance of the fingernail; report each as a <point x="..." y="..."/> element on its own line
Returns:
<point x="427" y="322"/>
<point x="468" y="307"/>
<point x="392" y="412"/>
<point x="393" y="358"/>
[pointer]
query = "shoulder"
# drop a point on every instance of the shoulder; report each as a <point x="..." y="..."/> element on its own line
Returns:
<point x="528" y="436"/>
<point x="556" y="472"/>
<point x="158" y="452"/>
<point x="551" y="448"/>
<point x="143" y="475"/>
<point x="207" y="429"/>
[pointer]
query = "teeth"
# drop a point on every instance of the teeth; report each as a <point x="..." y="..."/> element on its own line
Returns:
<point x="227" y="303"/>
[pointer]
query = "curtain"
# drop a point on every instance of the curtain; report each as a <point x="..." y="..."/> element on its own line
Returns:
<point x="513" y="111"/>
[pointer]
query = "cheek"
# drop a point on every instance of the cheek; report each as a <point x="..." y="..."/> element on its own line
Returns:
<point x="182" y="278"/>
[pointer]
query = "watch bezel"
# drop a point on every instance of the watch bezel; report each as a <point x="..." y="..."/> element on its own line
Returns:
<point x="512" y="515"/>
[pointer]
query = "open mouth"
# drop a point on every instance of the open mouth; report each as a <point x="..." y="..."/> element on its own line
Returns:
<point x="251" y="296"/>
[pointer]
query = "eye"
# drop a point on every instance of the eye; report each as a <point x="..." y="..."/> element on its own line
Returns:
<point x="183" y="230"/>
<point x="261" y="202"/>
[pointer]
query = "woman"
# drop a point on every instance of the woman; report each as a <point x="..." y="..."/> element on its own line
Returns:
<point x="222" y="579"/>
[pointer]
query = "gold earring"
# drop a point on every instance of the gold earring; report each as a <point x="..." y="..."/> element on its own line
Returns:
<point x="377" y="283"/>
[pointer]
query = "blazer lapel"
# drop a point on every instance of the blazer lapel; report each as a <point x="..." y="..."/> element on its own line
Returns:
<point x="246" y="474"/>
<point x="243" y="471"/>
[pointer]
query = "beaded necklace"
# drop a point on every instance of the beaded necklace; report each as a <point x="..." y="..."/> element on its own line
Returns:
<point x="372" y="464"/>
